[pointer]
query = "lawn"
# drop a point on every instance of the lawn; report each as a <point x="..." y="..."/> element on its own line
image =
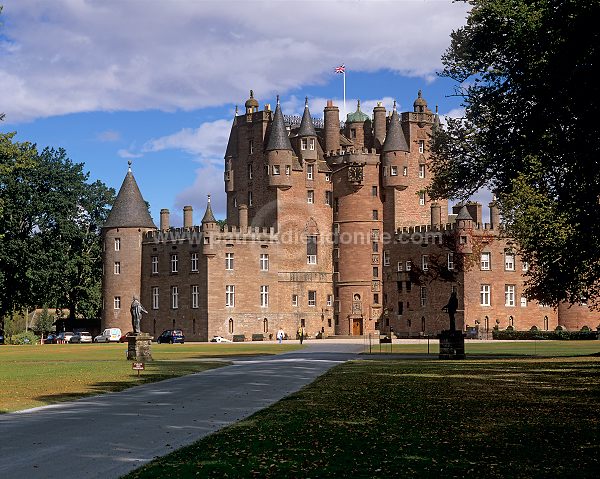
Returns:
<point x="515" y="417"/>
<point x="39" y="375"/>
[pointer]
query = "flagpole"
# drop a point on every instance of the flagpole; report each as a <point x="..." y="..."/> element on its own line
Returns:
<point x="344" y="73"/>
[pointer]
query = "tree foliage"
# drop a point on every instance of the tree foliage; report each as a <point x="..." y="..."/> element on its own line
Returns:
<point x="530" y="134"/>
<point x="50" y="244"/>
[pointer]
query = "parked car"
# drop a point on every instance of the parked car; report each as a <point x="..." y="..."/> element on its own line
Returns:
<point x="125" y="336"/>
<point x="64" y="337"/>
<point x="50" y="339"/>
<point x="109" y="335"/>
<point x="1" y="338"/>
<point x="219" y="339"/>
<point x="81" y="337"/>
<point x="171" y="336"/>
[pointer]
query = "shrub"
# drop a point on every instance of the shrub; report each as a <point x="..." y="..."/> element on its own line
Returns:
<point x="556" y="334"/>
<point x="239" y="338"/>
<point x="26" y="337"/>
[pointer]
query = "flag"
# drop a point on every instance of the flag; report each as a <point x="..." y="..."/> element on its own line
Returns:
<point x="340" y="69"/>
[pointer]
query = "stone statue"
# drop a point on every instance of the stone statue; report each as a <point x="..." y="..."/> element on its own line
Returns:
<point x="451" y="308"/>
<point x="136" y="314"/>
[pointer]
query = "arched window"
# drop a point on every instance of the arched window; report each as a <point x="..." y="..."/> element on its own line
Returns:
<point x="423" y="324"/>
<point x="511" y="321"/>
<point x="265" y="325"/>
<point x="546" y="323"/>
<point x="230" y="325"/>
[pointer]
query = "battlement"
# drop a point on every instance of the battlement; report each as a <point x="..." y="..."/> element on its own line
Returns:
<point x="224" y="233"/>
<point x="441" y="228"/>
<point x="350" y="151"/>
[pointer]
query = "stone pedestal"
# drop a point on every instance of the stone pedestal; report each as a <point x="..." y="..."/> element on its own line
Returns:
<point x="139" y="347"/>
<point x="452" y="345"/>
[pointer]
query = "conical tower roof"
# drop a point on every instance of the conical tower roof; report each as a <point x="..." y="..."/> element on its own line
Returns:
<point x="464" y="214"/>
<point x="307" y="128"/>
<point x="129" y="209"/>
<point x="394" y="138"/>
<point x="278" y="139"/>
<point x="232" y="144"/>
<point x="208" y="215"/>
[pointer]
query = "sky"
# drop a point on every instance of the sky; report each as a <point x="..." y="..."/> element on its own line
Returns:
<point x="156" y="82"/>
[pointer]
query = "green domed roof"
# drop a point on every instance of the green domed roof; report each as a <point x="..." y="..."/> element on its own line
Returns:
<point x="358" y="116"/>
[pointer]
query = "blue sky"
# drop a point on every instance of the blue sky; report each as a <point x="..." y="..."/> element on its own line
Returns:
<point x="156" y="82"/>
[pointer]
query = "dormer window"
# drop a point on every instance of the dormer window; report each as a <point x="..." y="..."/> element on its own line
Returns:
<point x="304" y="143"/>
<point x="312" y="143"/>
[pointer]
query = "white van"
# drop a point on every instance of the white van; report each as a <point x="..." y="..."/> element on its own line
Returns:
<point x="109" y="335"/>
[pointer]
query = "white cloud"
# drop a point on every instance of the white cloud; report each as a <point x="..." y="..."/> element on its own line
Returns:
<point x="108" y="136"/>
<point x="71" y="56"/>
<point x="208" y="181"/>
<point x="123" y="153"/>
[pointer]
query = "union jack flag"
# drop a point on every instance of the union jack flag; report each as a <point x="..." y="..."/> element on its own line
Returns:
<point x="340" y="69"/>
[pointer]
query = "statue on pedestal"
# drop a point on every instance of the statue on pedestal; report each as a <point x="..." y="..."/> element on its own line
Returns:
<point x="451" y="308"/>
<point x="136" y="314"/>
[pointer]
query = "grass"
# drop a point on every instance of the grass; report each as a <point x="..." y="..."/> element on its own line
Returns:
<point x="497" y="348"/>
<point x="525" y="417"/>
<point x="38" y="375"/>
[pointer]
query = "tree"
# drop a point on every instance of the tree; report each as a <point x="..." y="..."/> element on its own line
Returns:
<point x="1" y="114"/>
<point x="530" y="134"/>
<point x="44" y="322"/>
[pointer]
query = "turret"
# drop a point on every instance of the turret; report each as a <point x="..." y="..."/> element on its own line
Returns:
<point x="209" y="227"/>
<point x="358" y="128"/>
<point x="379" y="126"/>
<point x="332" y="127"/>
<point x="279" y="152"/>
<point x="395" y="155"/>
<point x="251" y="104"/>
<point x="464" y="223"/>
<point x="307" y="137"/>
<point x="122" y="234"/>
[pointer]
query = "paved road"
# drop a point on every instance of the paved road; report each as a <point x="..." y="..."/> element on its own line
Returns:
<point x="109" y="435"/>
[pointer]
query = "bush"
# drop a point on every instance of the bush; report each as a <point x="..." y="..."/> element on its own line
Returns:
<point x="258" y="337"/>
<point x="532" y="334"/>
<point x="26" y="337"/>
<point x="239" y="338"/>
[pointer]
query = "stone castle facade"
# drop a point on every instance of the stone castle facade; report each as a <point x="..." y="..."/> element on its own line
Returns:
<point x="328" y="227"/>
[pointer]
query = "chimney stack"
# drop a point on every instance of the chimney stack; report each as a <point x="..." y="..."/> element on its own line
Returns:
<point x="332" y="127"/>
<point x="436" y="215"/>
<point x="243" y="213"/>
<point x="188" y="222"/>
<point x="164" y="219"/>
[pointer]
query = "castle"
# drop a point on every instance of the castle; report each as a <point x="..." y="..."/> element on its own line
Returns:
<point x="328" y="227"/>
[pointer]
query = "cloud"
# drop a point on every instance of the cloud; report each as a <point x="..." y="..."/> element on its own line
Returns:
<point x="128" y="154"/>
<point x="108" y="136"/>
<point x="208" y="181"/>
<point x="114" y="55"/>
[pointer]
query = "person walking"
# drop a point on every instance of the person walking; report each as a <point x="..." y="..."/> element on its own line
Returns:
<point x="301" y="334"/>
<point x="280" y="335"/>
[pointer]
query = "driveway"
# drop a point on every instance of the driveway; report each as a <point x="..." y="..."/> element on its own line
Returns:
<point x="109" y="435"/>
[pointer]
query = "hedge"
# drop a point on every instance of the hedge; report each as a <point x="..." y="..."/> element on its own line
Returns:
<point x="562" y="335"/>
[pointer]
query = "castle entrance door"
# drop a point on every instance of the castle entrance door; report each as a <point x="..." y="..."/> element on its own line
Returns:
<point x="357" y="327"/>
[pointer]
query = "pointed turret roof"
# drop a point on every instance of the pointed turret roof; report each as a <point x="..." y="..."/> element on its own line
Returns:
<point x="232" y="143"/>
<point x="278" y="139"/>
<point x="394" y="138"/>
<point x="208" y="215"/>
<point x="129" y="209"/>
<point x="307" y="128"/>
<point x="464" y="214"/>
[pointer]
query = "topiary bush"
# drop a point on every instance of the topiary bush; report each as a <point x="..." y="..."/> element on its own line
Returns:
<point x="26" y="337"/>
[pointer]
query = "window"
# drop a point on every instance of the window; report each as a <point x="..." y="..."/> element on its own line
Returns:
<point x="234" y="202"/>
<point x="229" y="261"/>
<point x="375" y="247"/>
<point x="352" y="133"/>
<point x="117" y="302"/>
<point x="509" y="260"/>
<point x="275" y="170"/>
<point x="425" y="262"/>
<point x="328" y="198"/>
<point x="525" y="266"/>
<point x="250" y="198"/>
<point x="117" y="244"/>
<point x="400" y="266"/>
<point x="229" y="296"/>
<point x="154" y="264"/>
<point x="312" y="298"/>
<point x="311" y="250"/>
<point x="174" y="297"/>
<point x="373" y="191"/>
<point x="265" y="325"/>
<point x="375" y="214"/>
<point x="450" y="261"/>
<point x="423" y="295"/>
<point x="312" y="143"/>
<point x="375" y="234"/>
<point x="386" y="258"/>
<point x="421" y="147"/>
<point x="523" y="302"/>
<point x="408" y="289"/>
<point x="304" y="143"/>
<point x="328" y="177"/>
<point x="375" y="271"/>
<point x="194" y="261"/>
<point x="509" y="295"/>
<point x="195" y="296"/>
<point x="251" y="146"/>
<point x="288" y="170"/>
<point x="393" y="171"/>
<point x="310" y="197"/>
<point x="485" y="261"/>
<point x="376" y="298"/>
<point x="174" y="263"/>
<point x="422" y="198"/>
<point x="421" y="171"/>
<point x="408" y="265"/>
<point x="264" y="262"/>
<point x="250" y="171"/>
<point x="264" y="296"/>
<point x="310" y="170"/>
<point x="484" y="295"/>
<point x="155" y="297"/>
<point x="294" y="300"/>
<point x="329" y="299"/>
<point x="400" y="308"/>
<point x="405" y="171"/>
<point x="117" y="267"/>
<point x="231" y="325"/>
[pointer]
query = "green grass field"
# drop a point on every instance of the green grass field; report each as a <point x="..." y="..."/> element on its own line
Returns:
<point x="46" y="374"/>
<point x="511" y="417"/>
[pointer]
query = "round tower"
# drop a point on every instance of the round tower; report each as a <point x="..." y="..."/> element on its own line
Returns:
<point x="122" y="235"/>
<point x="279" y="152"/>
<point x="358" y="128"/>
<point x="395" y="155"/>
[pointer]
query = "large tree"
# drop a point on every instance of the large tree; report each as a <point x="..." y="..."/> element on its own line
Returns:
<point x="50" y="252"/>
<point x="524" y="70"/>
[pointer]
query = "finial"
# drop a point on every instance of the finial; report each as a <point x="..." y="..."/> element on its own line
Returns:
<point x="305" y="102"/>
<point x="252" y="93"/>
<point x="378" y="103"/>
<point x="129" y="166"/>
<point x="436" y="109"/>
<point x="278" y="99"/>
<point x="420" y="93"/>
<point x="394" y="105"/>
<point x="236" y="110"/>
<point x="208" y="198"/>
<point x="358" y="105"/>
